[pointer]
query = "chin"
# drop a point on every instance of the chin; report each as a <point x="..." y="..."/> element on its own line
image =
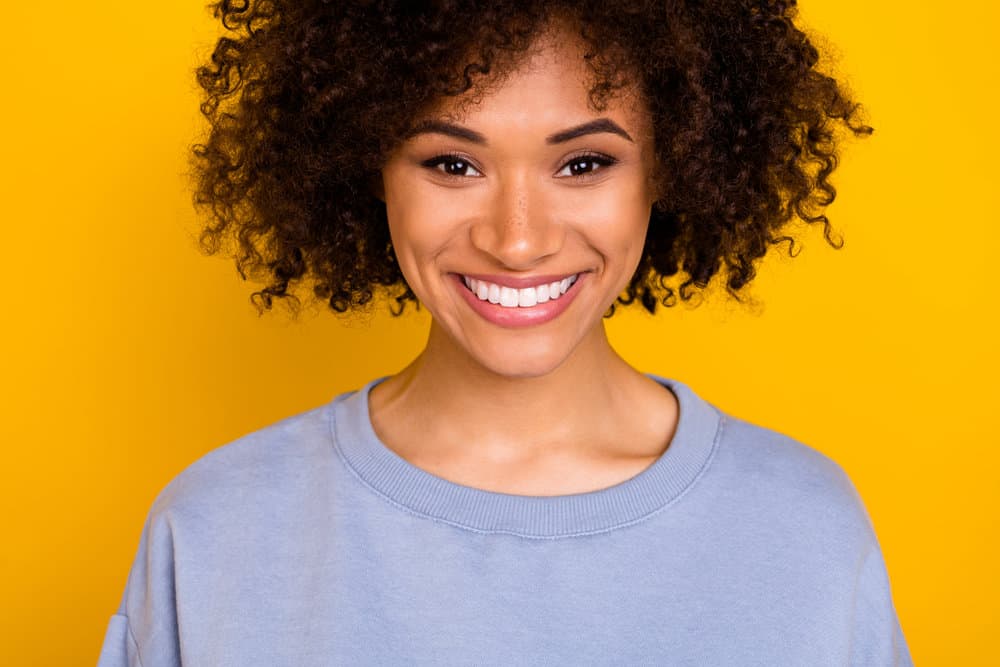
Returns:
<point x="523" y="370"/>
<point x="528" y="360"/>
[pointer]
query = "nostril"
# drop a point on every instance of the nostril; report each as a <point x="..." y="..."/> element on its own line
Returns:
<point x="517" y="245"/>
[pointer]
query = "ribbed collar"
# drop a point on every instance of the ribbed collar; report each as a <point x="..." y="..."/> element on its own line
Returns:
<point x="479" y="510"/>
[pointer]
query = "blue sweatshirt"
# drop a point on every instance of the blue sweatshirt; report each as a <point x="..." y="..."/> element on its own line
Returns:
<point x="310" y="542"/>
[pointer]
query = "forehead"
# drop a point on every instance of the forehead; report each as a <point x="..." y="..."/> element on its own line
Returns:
<point x="549" y="85"/>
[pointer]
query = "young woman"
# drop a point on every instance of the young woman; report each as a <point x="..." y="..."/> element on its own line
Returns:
<point x="518" y="494"/>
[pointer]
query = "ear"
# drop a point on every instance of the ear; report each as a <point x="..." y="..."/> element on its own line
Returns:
<point x="377" y="187"/>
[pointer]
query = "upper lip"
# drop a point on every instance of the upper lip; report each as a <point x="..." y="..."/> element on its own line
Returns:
<point x="520" y="282"/>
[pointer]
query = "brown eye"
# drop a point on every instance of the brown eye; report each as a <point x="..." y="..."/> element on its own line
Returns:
<point x="585" y="165"/>
<point x="452" y="165"/>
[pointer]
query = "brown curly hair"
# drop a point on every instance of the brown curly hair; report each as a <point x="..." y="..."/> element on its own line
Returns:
<point x="306" y="98"/>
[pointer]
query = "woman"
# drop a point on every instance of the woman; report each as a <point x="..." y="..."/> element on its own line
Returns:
<point x="518" y="494"/>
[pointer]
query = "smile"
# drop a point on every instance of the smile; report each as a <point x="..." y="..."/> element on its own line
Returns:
<point x="522" y="301"/>
<point x="525" y="297"/>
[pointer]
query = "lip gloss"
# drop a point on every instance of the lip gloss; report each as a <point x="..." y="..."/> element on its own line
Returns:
<point x="519" y="316"/>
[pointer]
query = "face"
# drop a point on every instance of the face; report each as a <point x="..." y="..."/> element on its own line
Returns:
<point x="518" y="220"/>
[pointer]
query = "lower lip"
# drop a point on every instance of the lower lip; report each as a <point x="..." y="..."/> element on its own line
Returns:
<point x="519" y="316"/>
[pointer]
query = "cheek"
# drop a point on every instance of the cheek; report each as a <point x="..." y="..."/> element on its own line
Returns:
<point x="419" y="227"/>
<point x="616" y="225"/>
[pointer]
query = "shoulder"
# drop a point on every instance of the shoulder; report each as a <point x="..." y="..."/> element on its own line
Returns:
<point x="258" y="465"/>
<point x="791" y="482"/>
<point x="773" y="457"/>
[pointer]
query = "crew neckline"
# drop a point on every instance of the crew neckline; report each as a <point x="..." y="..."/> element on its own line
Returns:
<point x="666" y="479"/>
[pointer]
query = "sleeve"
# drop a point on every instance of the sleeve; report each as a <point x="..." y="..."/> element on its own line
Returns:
<point x="877" y="639"/>
<point x="143" y="632"/>
<point x="119" y="649"/>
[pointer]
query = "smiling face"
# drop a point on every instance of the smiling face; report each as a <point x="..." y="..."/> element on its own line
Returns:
<point x="518" y="220"/>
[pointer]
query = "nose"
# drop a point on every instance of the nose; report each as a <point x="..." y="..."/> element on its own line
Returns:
<point x="520" y="229"/>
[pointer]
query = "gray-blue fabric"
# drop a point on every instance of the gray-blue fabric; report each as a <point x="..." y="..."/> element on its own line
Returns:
<point x="310" y="542"/>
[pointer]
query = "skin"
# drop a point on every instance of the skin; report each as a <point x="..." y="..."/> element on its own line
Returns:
<point x="548" y="409"/>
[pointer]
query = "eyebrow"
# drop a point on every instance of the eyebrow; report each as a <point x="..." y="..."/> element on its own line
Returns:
<point x="460" y="132"/>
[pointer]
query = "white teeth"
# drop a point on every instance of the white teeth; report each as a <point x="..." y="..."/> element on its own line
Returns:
<point x="526" y="297"/>
<point x="509" y="297"/>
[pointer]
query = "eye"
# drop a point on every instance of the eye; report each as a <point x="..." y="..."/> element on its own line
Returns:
<point x="452" y="165"/>
<point x="584" y="165"/>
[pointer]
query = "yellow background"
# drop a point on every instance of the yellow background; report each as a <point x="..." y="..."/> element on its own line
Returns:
<point x="127" y="354"/>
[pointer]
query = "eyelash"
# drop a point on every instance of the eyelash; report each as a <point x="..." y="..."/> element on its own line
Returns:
<point x="597" y="158"/>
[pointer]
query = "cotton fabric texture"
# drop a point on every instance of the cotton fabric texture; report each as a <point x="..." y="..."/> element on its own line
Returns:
<point x="310" y="542"/>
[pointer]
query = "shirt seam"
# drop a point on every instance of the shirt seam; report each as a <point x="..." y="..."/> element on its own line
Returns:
<point x="135" y="642"/>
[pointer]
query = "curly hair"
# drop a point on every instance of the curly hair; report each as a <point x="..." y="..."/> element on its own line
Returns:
<point x="306" y="98"/>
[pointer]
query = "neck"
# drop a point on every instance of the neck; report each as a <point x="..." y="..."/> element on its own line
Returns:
<point x="445" y="396"/>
